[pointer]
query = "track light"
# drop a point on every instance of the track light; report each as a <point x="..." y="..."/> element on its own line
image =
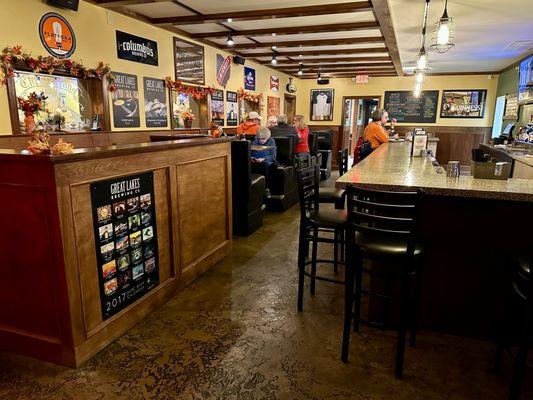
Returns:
<point x="274" y="47"/>
<point x="230" y="41"/>
<point x="274" y="61"/>
<point x="300" y="70"/>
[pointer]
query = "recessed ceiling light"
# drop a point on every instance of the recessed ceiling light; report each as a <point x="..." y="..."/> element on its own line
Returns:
<point x="299" y="55"/>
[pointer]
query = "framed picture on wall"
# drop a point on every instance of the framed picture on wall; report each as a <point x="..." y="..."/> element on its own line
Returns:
<point x="322" y="104"/>
<point x="463" y="103"/>
<point x="189" y="64"/>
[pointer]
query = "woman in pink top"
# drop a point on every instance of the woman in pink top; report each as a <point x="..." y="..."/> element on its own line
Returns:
<point x="302" y="147"/>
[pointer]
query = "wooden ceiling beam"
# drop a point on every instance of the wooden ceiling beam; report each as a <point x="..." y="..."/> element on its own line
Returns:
<point x="295" y="30"/>
<point x="382" y="14"/>
<point x="345" y="75"/>
<point x="273" y="13"/>
<point x="346" y="70"/>
<point x="119" y="3"/>
<point x="308" y="43"/>
<point x="331" y="59"/>
<point x="317" y="52"/>
<point x="339" y="65"/>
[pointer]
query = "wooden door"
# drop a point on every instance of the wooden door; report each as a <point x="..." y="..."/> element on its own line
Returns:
<point x="290" y="107"/>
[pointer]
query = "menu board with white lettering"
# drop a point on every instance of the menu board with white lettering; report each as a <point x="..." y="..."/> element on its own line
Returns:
<point x="126" y="240"/>
<point x="405" y="107"/>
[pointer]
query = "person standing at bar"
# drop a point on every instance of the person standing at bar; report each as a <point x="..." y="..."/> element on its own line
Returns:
<point x="302" y="147"/>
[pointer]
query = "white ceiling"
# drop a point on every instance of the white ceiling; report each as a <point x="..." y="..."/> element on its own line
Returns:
<point x="483" y="30"/>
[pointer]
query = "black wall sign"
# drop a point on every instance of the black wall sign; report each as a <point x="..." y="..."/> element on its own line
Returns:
<point x="136" y="48"/>
<point x="232" y="108"/>
<point x="405" y="107"/>
<point x="126" y="240"/>
<point x="155" y="102"/>
<point x="126" y="101"/>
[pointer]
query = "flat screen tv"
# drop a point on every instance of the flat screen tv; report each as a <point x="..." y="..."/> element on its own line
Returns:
<point x="525" y="81"/>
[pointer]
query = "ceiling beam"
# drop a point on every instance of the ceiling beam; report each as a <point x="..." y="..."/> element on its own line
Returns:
<point x="347" y="70"/>
<point x="329" y="60"/>
<point x="345" y="75"/>
<point x="317" y="52"/>
<point x="118" y="3"/>
<point x="295" y="30"/>
<point x="339" y="65"/>
<point x="274" y="13"/>
<point x="308" y="43"/>
<point x="382" y="14"/>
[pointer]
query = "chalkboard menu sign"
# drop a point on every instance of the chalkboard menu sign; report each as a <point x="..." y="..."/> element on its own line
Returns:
<point x="126" y="240"/>
<point x="189" y="62"/>
<point x="405" y="107"/>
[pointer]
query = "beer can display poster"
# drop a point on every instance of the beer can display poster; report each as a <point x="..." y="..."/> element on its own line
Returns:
<point x="155" y="102"/>
<point x="217" y="107"/>
<point x="126" y="101"/>
<point x="126" y="240"/>
<point x="232" y="109"/>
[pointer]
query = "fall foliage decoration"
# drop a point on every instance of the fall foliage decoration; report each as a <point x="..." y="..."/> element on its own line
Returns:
<point x="195" y="92"/>
<point x="253" y="98"/>
<point x="13" y="57"/>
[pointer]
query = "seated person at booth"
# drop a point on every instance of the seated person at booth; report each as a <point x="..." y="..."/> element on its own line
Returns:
<point x="283" y="129"/>
<point x="263" y="159"/>
<point x="251" y="125"/>
<point x="272" y="121"/>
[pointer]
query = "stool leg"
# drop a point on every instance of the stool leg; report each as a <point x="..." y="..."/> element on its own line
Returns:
<point x="336" y="251"/>
<point x="415" y="308"/>
<point x="348" y="304"/>
<point x="404" y="315"/>
<point x="343" y="232"/>
<point x="521" y="357"/>
<point x="313" y="260"/>
<point x="303" y="248"/>
<point x="358" y="267"/>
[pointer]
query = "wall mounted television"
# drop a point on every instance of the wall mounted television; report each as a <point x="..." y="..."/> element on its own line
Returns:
<point x="525" y="81"/>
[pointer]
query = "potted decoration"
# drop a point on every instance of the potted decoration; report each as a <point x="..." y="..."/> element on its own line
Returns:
<point x="187" y="117"/>
<point x="34" y="104"/>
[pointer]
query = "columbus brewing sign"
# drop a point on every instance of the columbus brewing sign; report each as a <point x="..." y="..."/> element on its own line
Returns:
<point x="136" y="48"/>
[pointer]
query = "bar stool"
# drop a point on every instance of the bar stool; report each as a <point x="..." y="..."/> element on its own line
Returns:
<point x="312" y="221"/>
<point x="327" y="195"/>
<point x="343" y="161"/>
<point x="519" y="298"/>
<point x="382" y="226"/>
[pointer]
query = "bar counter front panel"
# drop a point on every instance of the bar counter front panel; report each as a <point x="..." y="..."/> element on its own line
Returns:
<point x="468" y="226"/>
<point x="50" y="288"/>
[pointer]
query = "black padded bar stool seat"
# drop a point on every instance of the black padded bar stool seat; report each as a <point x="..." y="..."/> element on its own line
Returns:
<point x="331" y="195"/>
<point x="383" y="246"/>
<point x="328" y="218"/>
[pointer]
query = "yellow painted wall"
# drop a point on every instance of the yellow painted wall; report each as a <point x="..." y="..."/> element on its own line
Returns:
<point x="96" y="41"/>
<point x="378" y="86"/>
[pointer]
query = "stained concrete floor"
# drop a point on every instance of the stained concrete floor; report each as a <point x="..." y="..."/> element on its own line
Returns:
<point x="235" y="334"/>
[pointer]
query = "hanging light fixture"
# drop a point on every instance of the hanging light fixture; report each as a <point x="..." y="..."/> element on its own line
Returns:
<point x="417" y="90"/>
<point x="230" y="41"/>
<point x="274" y="61"/>
<point x="300" y="70"/>
<point x="422" y="59"/>
<point x="443" y="39"/>
<point x="419" y="76"/>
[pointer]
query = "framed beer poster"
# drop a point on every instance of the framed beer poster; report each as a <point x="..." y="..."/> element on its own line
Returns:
<point x="126" y="101"/>
<point x="463" y="103"/>
<point x="232" y="108"/>
<point x="125" y="236"/>
<point x="189" y="62"/>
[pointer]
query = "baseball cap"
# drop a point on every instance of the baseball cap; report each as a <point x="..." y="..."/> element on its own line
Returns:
<point x="254" y="115"/>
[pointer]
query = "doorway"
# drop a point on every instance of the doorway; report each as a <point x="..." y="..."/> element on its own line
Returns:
<point x="357" y="111"/>
<point x="289" y="107"/>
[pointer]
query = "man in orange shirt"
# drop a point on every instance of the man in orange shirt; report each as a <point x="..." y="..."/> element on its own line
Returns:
<point x="374" y="132"/>
<point x="251" y="125"/>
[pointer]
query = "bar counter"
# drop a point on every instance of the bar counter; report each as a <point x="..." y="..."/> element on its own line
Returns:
<point x="390" y="167"/>
<point x="52" y="286"/>
<point x="468" y="226"/>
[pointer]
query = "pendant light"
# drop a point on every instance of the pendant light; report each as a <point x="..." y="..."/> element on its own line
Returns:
<point x="417" y="90"/>
<point x="419" y="76"/>
<point x="274" y="61"/>
<point x="443" y="39"/>
<point x="230" y="41"/>
<point x="300" y="70"/>
<point x="422" y="59"/>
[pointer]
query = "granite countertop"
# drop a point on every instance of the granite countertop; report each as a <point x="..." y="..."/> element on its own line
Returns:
<point x="109" y="151"/>
<point x="390" y="167"/>
<point x="517" y="157"/>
